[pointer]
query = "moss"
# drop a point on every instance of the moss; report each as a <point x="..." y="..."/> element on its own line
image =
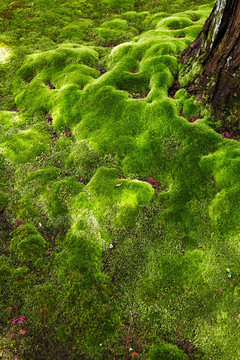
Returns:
<point x="171" y="147"/>
<point x="160" y="252"/>
<point x="223" y="165"/>
<point x="67" y="113"/>
<point x="3" y="200"/>
<point x="76" y="31"/>
<point x="43" y="175"/>
<point x="114" y="32"/>
<point x="8" y="12"/>
<point x="124" y="197"/>
<point x="21" y="271"/>
<point x="25" y="209"/>
<point x="58" y="196"/>
<point x="190" y="108"/>
<point x="224" y="204"/>
<point x="116" y="4"/>
<point x="152" y="20"/>
<point x="9" y="119"/>
<point x="185" y="79"/>
<point x="26" y="145"/>
<point x="50" y="62"/>
<point x="175" y="23"/>
<point x="80" y="75"/>
<point x="82" y="160"/>
<point x="174" y="271"/>
<point x="166" y="351"/>
<point x="37" y="97"/>
<point x="27" y="243"/>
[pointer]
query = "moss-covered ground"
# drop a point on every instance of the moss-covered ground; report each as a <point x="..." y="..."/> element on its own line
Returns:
<point x="119" y="195"/>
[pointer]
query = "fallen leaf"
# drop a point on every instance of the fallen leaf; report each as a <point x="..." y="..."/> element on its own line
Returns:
<point x="19" y="320"/>
<point x="18" y="222"/>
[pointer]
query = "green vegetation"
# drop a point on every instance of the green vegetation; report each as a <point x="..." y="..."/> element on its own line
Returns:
<point x="119" y="200"/>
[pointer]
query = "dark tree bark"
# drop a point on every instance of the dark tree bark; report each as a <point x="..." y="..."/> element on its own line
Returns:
<point x="215" y="56"/>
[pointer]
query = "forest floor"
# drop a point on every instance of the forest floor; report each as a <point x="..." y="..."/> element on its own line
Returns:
<point x="119" y="194"/>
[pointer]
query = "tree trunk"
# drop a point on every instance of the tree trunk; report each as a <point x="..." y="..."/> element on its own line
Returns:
<point x="215" y="56"/>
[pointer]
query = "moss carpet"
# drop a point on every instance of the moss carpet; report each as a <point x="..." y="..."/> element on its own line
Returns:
<point x="119" y="198"/>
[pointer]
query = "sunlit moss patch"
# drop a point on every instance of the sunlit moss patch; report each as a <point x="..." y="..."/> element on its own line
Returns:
<point x="25" y="145"/>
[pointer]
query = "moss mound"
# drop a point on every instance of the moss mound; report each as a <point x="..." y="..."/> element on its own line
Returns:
<point x="167" y="351"/>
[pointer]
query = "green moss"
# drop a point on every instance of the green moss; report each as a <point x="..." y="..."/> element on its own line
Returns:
<point x="67" y="112"/>
<point x="58" y="196"/>
<point x="117" y="4"/>
<point x="3" y="200"/>
<point x="50" y="62"/>
<point x="26" y="209"/>
<point x="26" y="145"/>
<point x="171" y="147"/>
<point x="190" y="108"/>
<point x="36" y="97"/>
<point x="76" y="31"/>
<point x="224" y="208"/>
<point x="43" y="175"/>
<point x="149" y="255"/>
<point x="166" y="351"/>
<point x="9" y="119"/>
<point x="114" y="32"/>
<point x="77" y="74"/>
<point x="175" y="23"/>
<point x="122" y="198"/>
<point x="27" y="243"/>
<point x="82" y="160"/>
<point x="152" y="20"/>
<point x="174" y="271"/>
<point x="223" y="165"/>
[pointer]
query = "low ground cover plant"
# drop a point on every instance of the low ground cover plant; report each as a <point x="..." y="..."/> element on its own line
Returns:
<point x="119" y="194"/>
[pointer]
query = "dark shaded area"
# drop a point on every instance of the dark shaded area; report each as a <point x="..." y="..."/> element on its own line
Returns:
<point x="172" y="90"/>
